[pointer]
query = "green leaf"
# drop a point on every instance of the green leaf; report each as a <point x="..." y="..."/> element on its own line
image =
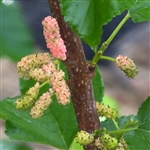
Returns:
<point x="137" y="139"/>
<point x="98" y="85"/>
<point x="59" y="118"/>
<point x="13" y="145"/>
<point x="141" y="11"/>
<point x="76" y="146"/>
<point x="57" y="127"/>
<point x="109" y="125"/>
<point x="95" y="14"/>
<point x="16" y="40"/>
<point x="140" y="138"/>
<point x="144" y="115"/>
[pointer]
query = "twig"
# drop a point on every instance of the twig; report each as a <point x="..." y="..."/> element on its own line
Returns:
<point x="80" y="76"/>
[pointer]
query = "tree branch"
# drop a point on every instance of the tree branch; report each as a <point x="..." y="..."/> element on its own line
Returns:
<point x="80" y="76"/>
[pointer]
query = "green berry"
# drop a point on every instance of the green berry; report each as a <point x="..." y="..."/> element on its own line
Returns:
<point x="127" y="66"/>
<point x="24" y="102"/>
<point x="106" y="111"/>
<point x="108" y="141"/>
<point x="84" y="138"/>
<point x="29" y="98"/>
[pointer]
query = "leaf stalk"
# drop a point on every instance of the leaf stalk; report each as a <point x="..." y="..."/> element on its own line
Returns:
<point x="104" y="46"/>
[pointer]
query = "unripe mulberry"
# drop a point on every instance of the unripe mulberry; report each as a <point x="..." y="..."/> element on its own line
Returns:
<point x="84" y="138"/>
<point x="108" y="141"/>
<point x="31" y="62"/>
<point x="106" y="111"/>
<point x="28" y="99"/>
<point x="127" y="66"/>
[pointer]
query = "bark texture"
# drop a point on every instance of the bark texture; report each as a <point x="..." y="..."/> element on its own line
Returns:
<point x="80" y="76"/>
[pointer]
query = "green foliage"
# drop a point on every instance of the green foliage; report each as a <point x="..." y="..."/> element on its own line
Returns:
<point x="16" y="40"/>
<point x="13" y="145"/>
<point x="142" y="134"/>
<point x="55" y="124"/>
<point x="98" y="86"/>
<point x="25" y="85"/>
<point x="121" y="121"/>
<point x="76" y="146"/>
<point x="52" y="129"/>
<point x="141" y="11"/>
<point x="95" y="14"/>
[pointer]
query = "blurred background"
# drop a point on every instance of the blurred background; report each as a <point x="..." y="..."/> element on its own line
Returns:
<point x="21" y="34"/>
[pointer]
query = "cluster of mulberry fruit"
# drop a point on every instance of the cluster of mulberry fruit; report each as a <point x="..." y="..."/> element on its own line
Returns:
<point x="42" y="67"/>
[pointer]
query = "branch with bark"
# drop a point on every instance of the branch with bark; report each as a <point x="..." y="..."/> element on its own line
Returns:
<point x="80" y="76"/>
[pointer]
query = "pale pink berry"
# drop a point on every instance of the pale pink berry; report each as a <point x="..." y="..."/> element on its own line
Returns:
<point x="38" y="74"/>
<point x="58" y="83"/>
<point x="60" y="87"/>
<point x="127" y="66"/>
<point x="53" y="39"/>
<point x="32" y="61"/>
<point x="41" y="105"/>
<point x="49" y="68"/>
<point x="99" y="144"/>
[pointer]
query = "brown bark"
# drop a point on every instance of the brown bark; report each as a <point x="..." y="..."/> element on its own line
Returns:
<point x="80" y="76"/>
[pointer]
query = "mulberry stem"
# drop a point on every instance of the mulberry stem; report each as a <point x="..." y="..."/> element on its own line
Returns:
<point x="108" y="41"/>
<point x="121" y="131"/>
